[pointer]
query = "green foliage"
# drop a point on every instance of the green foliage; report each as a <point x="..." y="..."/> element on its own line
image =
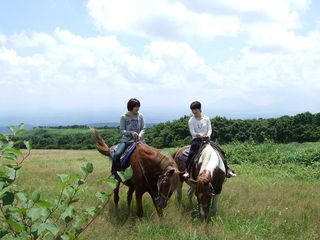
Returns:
<point x="29" y="216"/>
<point x="169" y="134"/>
<point x="67" y="138"/>
<point x="270" y="153"/>
<point x="304" y="127"/>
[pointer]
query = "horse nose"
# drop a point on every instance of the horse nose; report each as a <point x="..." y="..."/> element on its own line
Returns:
<point x="203" y="214"/>
<point x="162" y="204"/>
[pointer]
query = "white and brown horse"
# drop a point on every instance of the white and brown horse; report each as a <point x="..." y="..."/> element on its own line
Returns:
<point x="208" y="184"/>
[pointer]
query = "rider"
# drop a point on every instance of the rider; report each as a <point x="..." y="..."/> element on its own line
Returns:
<point x="200" y="129"/>
<point x="132" y="128"/>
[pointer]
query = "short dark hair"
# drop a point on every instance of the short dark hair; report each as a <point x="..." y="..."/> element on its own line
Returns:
<point x="195" y="105"/>
<point x="132" y="103"/>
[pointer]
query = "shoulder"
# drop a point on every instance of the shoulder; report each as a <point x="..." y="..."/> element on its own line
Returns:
<point x="140" y="115"/>
<point x="206" y="117"/>
<point x="123" y="116"/>
<point x="191" y="119"/>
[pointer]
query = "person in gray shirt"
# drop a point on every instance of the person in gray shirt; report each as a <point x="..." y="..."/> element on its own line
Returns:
<point x="132" y="128"/>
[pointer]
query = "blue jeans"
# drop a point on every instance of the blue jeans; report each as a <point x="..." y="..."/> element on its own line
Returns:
<point x="116" y="157"/>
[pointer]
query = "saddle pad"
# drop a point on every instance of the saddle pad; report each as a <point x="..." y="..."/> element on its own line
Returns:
<point x="124" y="160"/>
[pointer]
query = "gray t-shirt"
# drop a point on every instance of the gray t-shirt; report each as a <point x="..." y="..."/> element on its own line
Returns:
<point x="131" y="123"/>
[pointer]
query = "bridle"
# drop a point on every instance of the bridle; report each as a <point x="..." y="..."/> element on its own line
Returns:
<point x="154" y="196"/>
<point x="160" y="181"/>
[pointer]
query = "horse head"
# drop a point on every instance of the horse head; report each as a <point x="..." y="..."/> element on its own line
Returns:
<point x="167" y="183"/>
<point x="204" y="192"/>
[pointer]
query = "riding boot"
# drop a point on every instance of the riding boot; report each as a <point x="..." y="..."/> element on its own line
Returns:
<point x="114" y="168"/>
<point x="229" y="172"/>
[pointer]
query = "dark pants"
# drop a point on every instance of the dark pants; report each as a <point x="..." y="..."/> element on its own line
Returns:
<point x="194" y="148"/>
<point x="116" y="158"/>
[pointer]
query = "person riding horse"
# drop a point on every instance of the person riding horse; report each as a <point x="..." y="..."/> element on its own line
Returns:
<point x="200" y="129"/>
<point x="132" y="128"/>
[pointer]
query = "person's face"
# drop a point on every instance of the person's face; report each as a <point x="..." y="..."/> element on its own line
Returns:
<point x="196" y="112"/>
<point x="135" y="110"/>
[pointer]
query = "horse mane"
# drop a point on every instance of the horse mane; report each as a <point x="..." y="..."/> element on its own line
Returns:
<point x="204" y="176"/>
<point x="101" y="146"/>
<point x="164" y="160"/>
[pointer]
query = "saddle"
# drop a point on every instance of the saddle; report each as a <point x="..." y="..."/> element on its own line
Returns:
<point x="195" y="167"/>
<point x="124" y="159"/>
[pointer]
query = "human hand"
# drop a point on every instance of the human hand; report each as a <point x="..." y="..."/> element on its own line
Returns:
<point x="135" y="135"/>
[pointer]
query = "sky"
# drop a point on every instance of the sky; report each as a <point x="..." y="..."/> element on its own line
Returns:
<point x="79" y="62"/>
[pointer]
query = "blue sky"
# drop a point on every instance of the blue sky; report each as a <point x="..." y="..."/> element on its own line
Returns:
<point x="75" y="62"/>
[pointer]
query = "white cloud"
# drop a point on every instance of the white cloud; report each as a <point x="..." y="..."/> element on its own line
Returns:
<point x="3" y="39"/>
<point x="161" y="19"/>
<point x="66" y="70"/>
<point x="274" y="67"/>
<point x="264" y="23"/>
<point x="268" y="38"/>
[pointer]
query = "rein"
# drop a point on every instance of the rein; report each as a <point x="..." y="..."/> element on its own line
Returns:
<point x="155" y="197"/>
<point x="166" y="197"/>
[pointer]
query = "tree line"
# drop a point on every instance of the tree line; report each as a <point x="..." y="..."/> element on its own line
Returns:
<point x="303" y="127"/>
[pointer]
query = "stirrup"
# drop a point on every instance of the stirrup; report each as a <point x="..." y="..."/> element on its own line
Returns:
<point x="230" y="173"/>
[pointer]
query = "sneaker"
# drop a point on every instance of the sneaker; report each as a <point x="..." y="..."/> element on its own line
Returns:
<point x="185" y="175"/>
<point x="230" y="173"/>
<point x="112" y="176"/>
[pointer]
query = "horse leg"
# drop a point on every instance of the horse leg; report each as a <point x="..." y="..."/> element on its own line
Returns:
<point x="129" y="197"/>
<point x="190" y="195"/>
<point x="179" y="193"/>
<point x="139" y="204"/>
<point x="159" y="210"/>
<point x="214" y="204"/>
<point x="116" y="195"/>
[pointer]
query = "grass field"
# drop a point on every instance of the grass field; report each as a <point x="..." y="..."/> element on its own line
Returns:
<point x="275" y="202"/>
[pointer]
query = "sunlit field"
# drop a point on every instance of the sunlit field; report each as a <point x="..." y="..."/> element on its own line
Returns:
<point x="263" y="202"/>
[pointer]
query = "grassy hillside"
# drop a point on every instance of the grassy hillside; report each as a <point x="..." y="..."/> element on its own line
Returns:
<point x="265" y="201"/>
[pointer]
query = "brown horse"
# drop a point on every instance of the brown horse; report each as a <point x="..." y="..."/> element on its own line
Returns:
<point x="208" y="183"/>
<point x="151" y="168"/>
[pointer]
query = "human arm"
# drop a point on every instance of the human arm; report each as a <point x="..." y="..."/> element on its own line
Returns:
<point x="192" y="130"/>
<point x="209" y="128"/>
<point x="123" y="130"/>
<point x="142" y="127"/>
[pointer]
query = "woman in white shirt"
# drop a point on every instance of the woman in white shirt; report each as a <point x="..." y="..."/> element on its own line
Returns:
<point x="200" y="129"/>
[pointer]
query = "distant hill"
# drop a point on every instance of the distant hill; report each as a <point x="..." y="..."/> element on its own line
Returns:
<point x="97" y="125"/>
<point x="114" y="124"/>
<point x="5" y="130"/>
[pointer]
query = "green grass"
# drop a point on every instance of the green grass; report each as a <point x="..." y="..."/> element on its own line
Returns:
<point x="265" y="201"/>
<point x="57" y="131"/>
<point x="270" y="153"/>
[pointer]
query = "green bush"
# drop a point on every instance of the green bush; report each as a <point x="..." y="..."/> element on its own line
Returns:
<point x="29" y="216"/>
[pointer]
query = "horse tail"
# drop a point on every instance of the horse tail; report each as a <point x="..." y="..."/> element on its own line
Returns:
<point x="101" y="146"/>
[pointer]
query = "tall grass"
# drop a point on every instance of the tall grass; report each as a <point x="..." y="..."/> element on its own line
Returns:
<point x="270" y="153"/>
<point x="270" y="199"/>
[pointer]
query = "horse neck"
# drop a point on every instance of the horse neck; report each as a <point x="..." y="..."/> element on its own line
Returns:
<point x="210" y="159"/>
<point x="204" y="176"/>
<point x="154" y="158"/>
